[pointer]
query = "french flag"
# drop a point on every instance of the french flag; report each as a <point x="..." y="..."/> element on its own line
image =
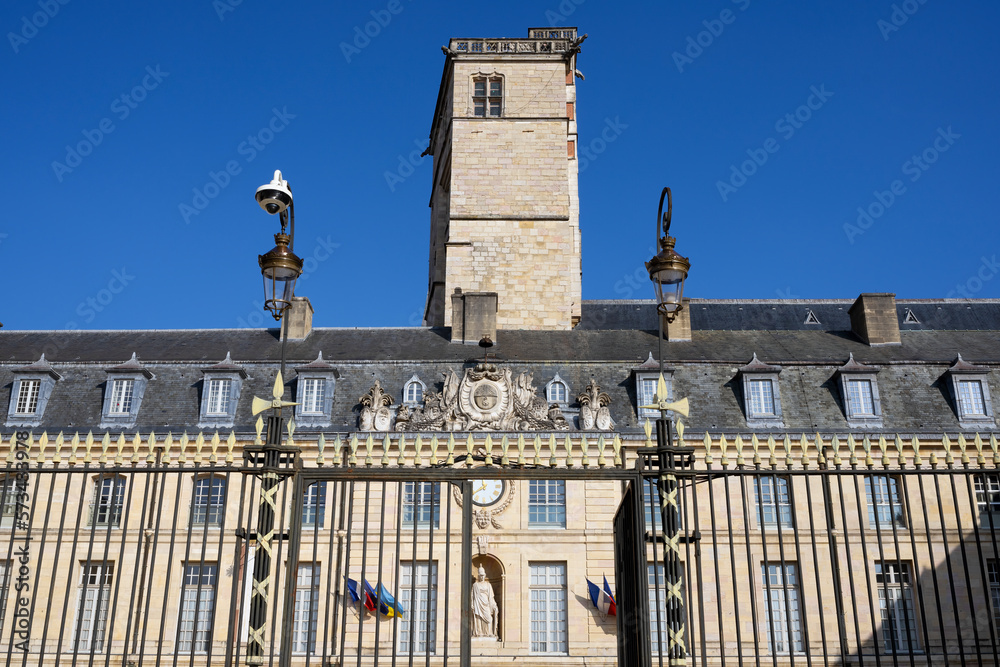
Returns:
<point x="602" y="599"/>
<point x="358" y="593"/>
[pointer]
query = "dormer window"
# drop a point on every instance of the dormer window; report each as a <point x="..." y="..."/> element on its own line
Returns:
<point x="970" y="390"/>
<point x="859" y="390"/>
<point x="487" y="96"/>
<point x="413" y="392"/>
<point x="761" y="394"/>
<point x="27" y="397"/>
<point x="314" y="388"/>
<point x="221" y="393"/>
<point x="647" y="379"/>
<point x="123" y="394"/>
<point x="30" y="391"/>
<point x="557" y="391"/>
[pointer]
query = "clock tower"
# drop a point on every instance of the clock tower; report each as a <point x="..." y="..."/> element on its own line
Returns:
<point x="504" y="199"/>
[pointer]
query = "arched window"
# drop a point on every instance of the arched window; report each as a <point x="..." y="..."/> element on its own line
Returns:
<point x="557" y="391"/>
<point x="413" y="391"/>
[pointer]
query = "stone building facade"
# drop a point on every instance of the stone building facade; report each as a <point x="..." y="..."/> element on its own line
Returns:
<point x="839" y="495"/>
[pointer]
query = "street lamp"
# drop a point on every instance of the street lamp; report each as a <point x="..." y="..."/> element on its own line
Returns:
<point x="667" y="269"/>
<point x="280" y="267"/>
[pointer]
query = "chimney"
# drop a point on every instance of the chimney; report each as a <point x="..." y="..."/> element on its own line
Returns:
<point x="298" y="319"/>
<point x="473" y="315"/>
<point x="874" y="319"/>
<point x="680" y="329"/>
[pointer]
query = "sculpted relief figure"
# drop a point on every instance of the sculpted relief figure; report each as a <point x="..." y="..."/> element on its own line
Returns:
<point x="484" y="608"/>
<point x="594" y="411"/>
<point x="375" y="414"/>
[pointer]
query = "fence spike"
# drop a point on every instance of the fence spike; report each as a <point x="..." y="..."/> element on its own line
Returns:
<point x="320" y="450"/>
<point x="504" y="446"/>
<point x="199" y="445"/>
<point x="57" y="456"/>
<point x="418" y="458"/>
<point x="616" y="444"/>
<point x="470" y="445"/>
<point x="43" y="444"/>
<point x="568" y="446"/>
<point x="369" y="443"/>
<point x="259" y="428"/>
<point x="866" y="443"/>
<point x="962" y="444"/>
<point x="401" y="460"/>
<point x="386" y="443"/>
<point x="434" y="449"/>
<point x="648" y="428"/>
<point x="803" y="451"/>
<point x="851" y="447"/>
<point x="489" y="450"/>
<point x="168" y="444"/>
<point x="88" y="446"/>
<point x="537" y="444"/>
<point x="884" y="447"/>
<point x="771" y="445"/>
<point x="184" y="442"/>
<point x="352" y="458"/>
<point x="788" y="451"/>
<point x="520" y="449"/>
<point x="980" y="459"/>
<point x="900" y="459"/>
<point x="552" y="450"/>
<point x="290" y="440"/>
<point x="723" y="450"/>
<point x="948" y="458"/>
<point x="136" y="443"/>
<point x="739" y="450"/>
<point x="151" y="445"/>
<point x="993" y="446"/>
<point x="119" y="449"/>
<point x="680" y="432"/>
<point x="821" y="450"/>
<point x="835" y="444"/>
<point x="915" y="444"/>
<point x="755" y="443"/>
<point x="584" y="445"/>
<point x="338" y="450"/>
<point x="450" y="460"/>
<point x="105" y="445"/>
<point x="74" y="446"/>
<point x="934" y="459"/>
<point x="216" y="441"/>
<point x="230" y="446"/>
<point x="601" y="444"/>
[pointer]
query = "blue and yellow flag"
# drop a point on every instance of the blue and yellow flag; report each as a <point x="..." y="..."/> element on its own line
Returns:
<point x="387" y="604"/>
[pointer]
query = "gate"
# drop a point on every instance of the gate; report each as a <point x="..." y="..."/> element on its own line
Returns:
<point x="149" y="550"/>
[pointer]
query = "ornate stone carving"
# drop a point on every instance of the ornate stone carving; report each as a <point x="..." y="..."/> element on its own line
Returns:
<point x="375" y="413"/>
<point x="487" y="398"/>
<point x="487" y="516"/>
<point x="594" y="411"/>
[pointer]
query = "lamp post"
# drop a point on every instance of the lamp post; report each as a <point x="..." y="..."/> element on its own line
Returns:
<point x="668" y="271"/>
<point x="280" y="268"/>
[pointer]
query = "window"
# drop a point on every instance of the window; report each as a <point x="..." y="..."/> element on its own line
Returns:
<point x="209" y="501"/>
<point x="993" y="574"/>
<point x="92" y="607"/>
<point x="557" y="391"/>
<point x="121" y="397"/>
<point x="760" y="400"/>
<point x="656" y="581"/>
<point x="306" y="608"/>
<point x="547" y="591"/>
<point x="29" y="393"/>
<point x="859" y="391"/>
<point x="421" y="504"/>
<point x="418" y="595"/>
<point x="314" y="505"/>
<point x="9" y="505"/>
<point x="27" y="397"/>
<point x="109" y="499"/>
<point x="782" y="613"/>
<point x="971" y="390"/>
<point x="313" y="395"/>
<point x="218" y="397"/>
<point x="487" y="96"/>
<point x="774" y="507"/>
<point x="547" y="503"/>
<point x="970" y="398"/>
<point x="414" y="392"/>
<point x="987" y="492"/>
<point x="859" y="398"/>
<point x="646" y="395"/>
<point x="895" y="600"/>
<point x="4" y="585"/>
<point x="197" y="606"/>
<point x="651" y="505"/>
<point x="884" y="505"/>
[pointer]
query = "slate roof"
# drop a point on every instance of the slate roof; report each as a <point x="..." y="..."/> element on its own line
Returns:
<point x="913" y="377"/>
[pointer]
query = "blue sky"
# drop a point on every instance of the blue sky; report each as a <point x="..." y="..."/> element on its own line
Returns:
<point x="773" y="123"/>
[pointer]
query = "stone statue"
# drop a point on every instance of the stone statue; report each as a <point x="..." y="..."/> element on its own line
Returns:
<point x="484" y="608"/>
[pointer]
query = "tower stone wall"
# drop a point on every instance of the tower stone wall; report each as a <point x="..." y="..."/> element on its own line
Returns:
<point x="504" y="203"/>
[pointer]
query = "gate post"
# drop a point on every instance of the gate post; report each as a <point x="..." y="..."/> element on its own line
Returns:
<point x="671" y="458"/>
<point x="465" y="648"/>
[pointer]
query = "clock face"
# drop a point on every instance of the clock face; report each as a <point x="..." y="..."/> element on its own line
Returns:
<point x="487" y="491"/>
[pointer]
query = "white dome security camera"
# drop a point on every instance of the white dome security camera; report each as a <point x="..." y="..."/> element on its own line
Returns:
<point x="275" y="196"/>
